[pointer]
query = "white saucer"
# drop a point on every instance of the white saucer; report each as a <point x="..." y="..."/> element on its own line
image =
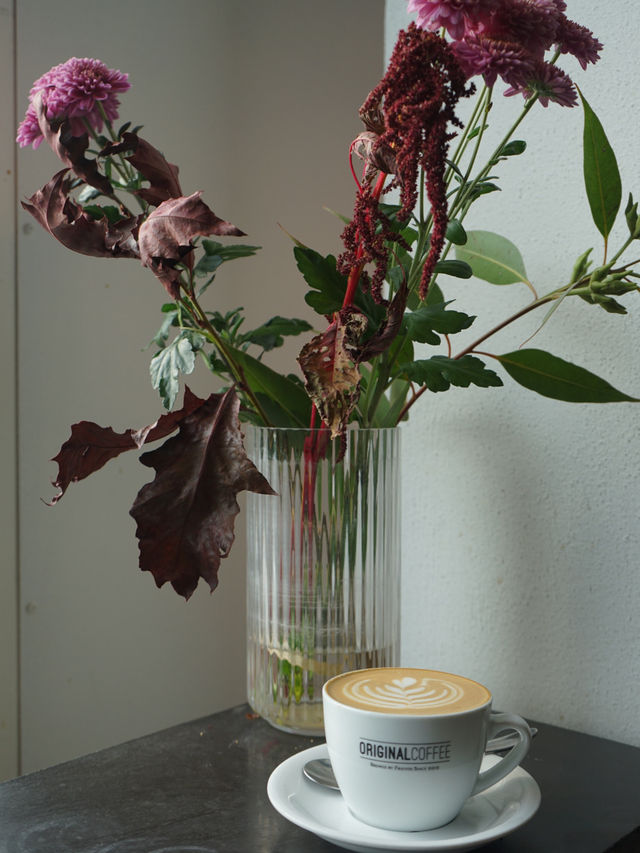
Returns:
<point x="495" y="812"/>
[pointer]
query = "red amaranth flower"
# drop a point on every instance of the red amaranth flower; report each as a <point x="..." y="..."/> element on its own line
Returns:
<point x="76" y="89"/>
<point x="414" y="104"/>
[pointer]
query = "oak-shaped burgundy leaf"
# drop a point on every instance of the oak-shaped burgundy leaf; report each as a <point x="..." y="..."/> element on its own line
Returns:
<point x="330" y="365"/>
<point x="70" y="149"/>
<point x="66" y="220"/>
<point x="91" y="446"/>
<point x="152" y="165"/>
<point x="165" y="237"/>
<point x="185" y="516"/>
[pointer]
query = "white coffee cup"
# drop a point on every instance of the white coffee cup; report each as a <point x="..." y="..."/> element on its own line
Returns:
<point x="406" y="744"/>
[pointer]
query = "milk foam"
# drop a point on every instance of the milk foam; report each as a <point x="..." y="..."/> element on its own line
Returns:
<point x="411" y="691"/>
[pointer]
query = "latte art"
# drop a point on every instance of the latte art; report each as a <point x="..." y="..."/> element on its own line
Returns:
<point x="407" y="692"/>
<point x="398" y="690"/>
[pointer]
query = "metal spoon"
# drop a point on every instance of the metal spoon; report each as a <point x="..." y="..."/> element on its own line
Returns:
<point x="319" y="770"/>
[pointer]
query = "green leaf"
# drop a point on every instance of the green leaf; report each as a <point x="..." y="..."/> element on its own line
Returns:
<point x="398" y="397"/>
<point x="229" y="252"/>
<point x="420" y="325"/>
<point x="216" y="254"/>
<point x="482" y="188"/>
<point x="581" y="267"/>
<point x="456" y="233"/>
<point x="601" y="175"/>
<point x="439" y="372"/>
<point x="272" y="333"/>
<point x="492" y="258"/>
<point x="112" y="213"/>
<point x="459" y="269"/>
<point x="285" y="392"/>
<point x="513" y="148"/>
<point x="167" y="365"/>
<point x="162" y="335"/>
<point x="553" y="377"/>
<point x="320" y="273"/>
<point x="329" y="286"/>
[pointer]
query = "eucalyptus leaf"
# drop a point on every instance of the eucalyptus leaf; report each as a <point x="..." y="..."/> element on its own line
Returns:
<point x="458" y="269"/>
<point x="482" y="188"/>
<point x="513" y="148"/>
<point x="601" y="175"/>
<point x="456" y="233"/>
<point x="553" y="377"/>
<point x="492" y="258"/>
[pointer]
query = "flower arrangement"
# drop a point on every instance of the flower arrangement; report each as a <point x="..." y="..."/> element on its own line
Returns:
<point x="380" y="299"/>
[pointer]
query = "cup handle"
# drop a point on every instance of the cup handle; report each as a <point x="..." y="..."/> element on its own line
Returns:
<point x="498" y="724"/>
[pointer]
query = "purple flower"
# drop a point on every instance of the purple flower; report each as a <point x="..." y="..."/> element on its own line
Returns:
<point x="78" y="89"/>
<point x="492" y="58"/>
<point x="579" y="42"/>
<point x="456" y="16"/>
<point x="533" y="24"/>
<point x="29" y="132"/>
<point x="550" y="83"/>
<point x="509" y="39"/>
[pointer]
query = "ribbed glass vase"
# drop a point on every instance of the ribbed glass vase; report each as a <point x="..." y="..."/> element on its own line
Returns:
<point x="323" y="566"/>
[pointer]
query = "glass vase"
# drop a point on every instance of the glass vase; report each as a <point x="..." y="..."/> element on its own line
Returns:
<point x="323" y="566"/>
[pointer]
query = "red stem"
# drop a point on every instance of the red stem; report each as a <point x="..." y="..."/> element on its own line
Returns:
<point x="315" y="444"/>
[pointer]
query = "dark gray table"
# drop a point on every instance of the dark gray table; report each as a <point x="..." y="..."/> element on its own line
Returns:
<point x="201" y="788"/>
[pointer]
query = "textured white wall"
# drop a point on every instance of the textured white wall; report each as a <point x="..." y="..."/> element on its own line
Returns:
<point x="521" y="514"/>
<point x="259" y="113"/>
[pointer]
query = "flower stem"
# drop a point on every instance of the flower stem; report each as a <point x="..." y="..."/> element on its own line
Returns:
<point x="235" y="369"/>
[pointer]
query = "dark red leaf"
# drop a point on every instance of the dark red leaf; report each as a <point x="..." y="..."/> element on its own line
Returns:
<point x="185" y="516"/>
<point x="91" y="446"/>
<point x="165" y="237"/>
<point x="70" y="149"/>
<point x="65" y="220"/>
<point x="162" y="175"/>
<point x="385" y="336"/>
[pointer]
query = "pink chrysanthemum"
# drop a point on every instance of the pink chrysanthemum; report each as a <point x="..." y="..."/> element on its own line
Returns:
<point x="492" y="58"/>
<point x="78" y="89"/>
<point x="456" y="16"/>
<point x="29" y="132"/>
<point x="579" y="42"/>
<point x="533" y="24"/>
<point x="550" y="83"/>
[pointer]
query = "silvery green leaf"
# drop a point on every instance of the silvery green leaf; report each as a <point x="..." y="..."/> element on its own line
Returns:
<point x="167" y="365"/>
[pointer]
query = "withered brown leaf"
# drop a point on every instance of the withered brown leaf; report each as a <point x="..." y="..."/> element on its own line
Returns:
<point x="162" y="175"/>
<point x="165" y="237"/>
<point x="329" y="363"/>
<point x="66" y="220"/>
<point x="91" y="446"/>
<point x="185" y="516"/>
<point x="70" y="149"/>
